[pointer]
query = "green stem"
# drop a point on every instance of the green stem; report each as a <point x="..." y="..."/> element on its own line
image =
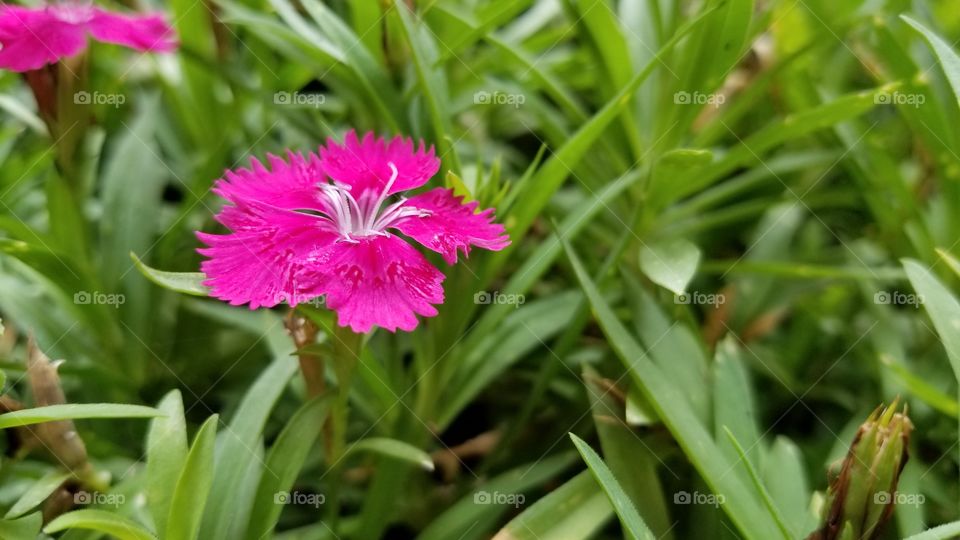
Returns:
<point x="429" y="375"/>
<point x="347" y="347"/>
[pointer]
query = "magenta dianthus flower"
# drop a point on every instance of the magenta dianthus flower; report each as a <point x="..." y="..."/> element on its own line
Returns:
<point x="324" y="226"/>
<point x="31" y="38"/>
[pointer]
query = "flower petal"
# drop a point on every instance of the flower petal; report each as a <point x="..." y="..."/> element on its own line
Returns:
<point x="140" y="32"/>
<point x="451" y="226"/>
<point x="32" y="38"/>
<point x="260" y="260"/>
<point x="378" y="281"/>
<point x="291" y="186"/>
<point x="364" y="165"/>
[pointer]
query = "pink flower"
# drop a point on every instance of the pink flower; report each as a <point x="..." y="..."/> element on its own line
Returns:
<point x="30" y="38"/>
<point x="324" y="225"/>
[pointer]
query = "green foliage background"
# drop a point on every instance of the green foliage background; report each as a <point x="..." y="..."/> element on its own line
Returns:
<point x="735" y="227"/>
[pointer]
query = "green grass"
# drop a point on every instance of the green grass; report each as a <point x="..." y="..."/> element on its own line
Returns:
<point x="735" y="231"/>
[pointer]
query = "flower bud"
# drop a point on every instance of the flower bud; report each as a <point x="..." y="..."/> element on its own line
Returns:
<point x="861" y="497"/>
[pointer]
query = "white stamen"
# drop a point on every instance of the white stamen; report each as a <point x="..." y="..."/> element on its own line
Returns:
<point x="372" y="215"/>
<point x="354" y="219"/>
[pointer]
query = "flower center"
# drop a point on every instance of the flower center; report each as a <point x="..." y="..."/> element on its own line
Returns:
<point x="72" y="11"/>
<point x="359" y="217"/>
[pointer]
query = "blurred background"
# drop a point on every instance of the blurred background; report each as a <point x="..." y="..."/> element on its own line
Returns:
<point x="735" y="234"/>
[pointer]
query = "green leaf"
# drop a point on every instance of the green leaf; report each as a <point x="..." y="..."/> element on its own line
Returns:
<point x="631" y="520"/>
<point x="193" y="485"/>
<point x="671" y="405"/>
<point x="524" y="330"/>
<point x="672" y="165"/>
<point x="942" y="306"/>
<point x="675" y="349"/>
<point x="577" y="509"/>
<point x="69" y="280"/>
<point x="943" y="532"/>
<point x="604" y="31"/>
<point x="549" y="178"/>
<point x="627" y="452"/>
<point x="727" y="50"/>
<point x="370" y="75"/>
<point x="235" y="454"/>
<point x="922" y="389"/>
<point x="51" y="413"/>
<point x="283" y="464"/>
<point x="786" y="478"/>
<point x="130" y="210"/>
<point x="543" y="257"/>
<point x="948" y="59"/>
<point x="637" y="412"/>
<point x="36" y="494"/>
<point x="670" y="263"/>
<point x="24" y="528"/>
<point x="166" y="455"/>
<point x="17" y="109"/>
<point x="752" y="149"/>
<point x="951" y="261"/>
<point x="758" y="485"/>
<point x="184" y="282"/>
<point x="102" y="521"/>
<point x="460" y="189"/>
<point x="475" y="511"/>
<point x="733" y="402"/>
<point x="395" y="449"/>
<point x="433" y="82"/>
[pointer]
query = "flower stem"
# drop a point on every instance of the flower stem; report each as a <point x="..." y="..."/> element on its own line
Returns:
<point x="346" y="357"/>
<point x="304" y="333"/>
<point x="347" y="347"/>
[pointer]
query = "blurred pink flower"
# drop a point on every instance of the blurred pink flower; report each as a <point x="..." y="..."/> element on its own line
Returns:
<point x="321" y="225"/>
<point x="30" y="38"/>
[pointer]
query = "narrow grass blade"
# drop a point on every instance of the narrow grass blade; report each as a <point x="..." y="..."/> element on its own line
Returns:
<point x="577" y="509"/>
<point x="24" y="528"/>
<point x="395" y="449"/>
<point x="193" y="485"/>
<point x="51" y="413"/>
<point x="758" y="485"/>
<point x="236" y="446"/>
<point x="283" y="463"/>
<point x="36" y="494"/>
<point x="471" y="515"/>
<point x="671" y="405"/>
<point x="102" y="521"/>
<point x="631" y="520"/>
<point x="184" y="282"/>
<point x="166" y="454"/>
